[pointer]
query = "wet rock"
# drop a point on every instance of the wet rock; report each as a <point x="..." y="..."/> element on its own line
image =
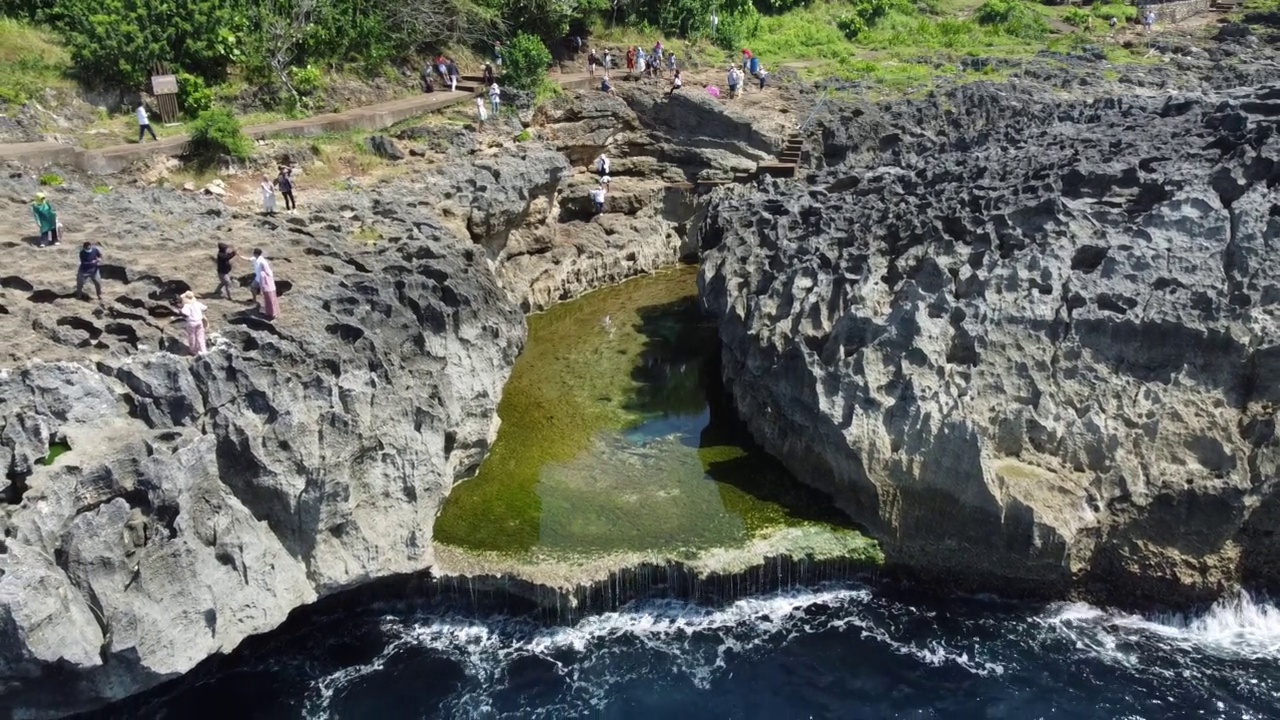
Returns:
<point x="1028" y="343"/>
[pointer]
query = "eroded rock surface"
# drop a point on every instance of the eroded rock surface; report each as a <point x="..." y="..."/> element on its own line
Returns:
<point x="1032" y="345"/>
<point x="202" y="499"/>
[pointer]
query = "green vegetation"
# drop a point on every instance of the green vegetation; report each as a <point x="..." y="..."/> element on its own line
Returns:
<point x="194" y="95"/>
<point x="217" y="132"/>
<point x="56" y="449"/>
<point x="31" y="61"/>
<point x="605" y="447"/>
<point x="101" y="189"/>
<point x="51" y="180"/>
<point x="526" y="62"/>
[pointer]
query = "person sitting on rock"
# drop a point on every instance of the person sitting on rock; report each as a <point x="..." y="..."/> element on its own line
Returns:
<point x="197" y="326"/>
<point x="677" y="83"/>
<point x="607" y="87"/>
<point x="46" y="220"/>
<point x="89" y="270"/>
<point x="597" y="198"/>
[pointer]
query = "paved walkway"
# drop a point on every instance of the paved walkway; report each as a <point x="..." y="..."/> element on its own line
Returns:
<point x="370" y="117"/>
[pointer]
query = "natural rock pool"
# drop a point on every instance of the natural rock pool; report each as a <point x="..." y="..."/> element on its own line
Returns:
<point x="617" y="448"/>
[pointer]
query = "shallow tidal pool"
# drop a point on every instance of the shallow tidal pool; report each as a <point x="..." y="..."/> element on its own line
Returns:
<point x="616" y="438"/>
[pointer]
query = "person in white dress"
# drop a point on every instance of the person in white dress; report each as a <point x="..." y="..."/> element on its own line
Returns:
<point x="268" y="189"/>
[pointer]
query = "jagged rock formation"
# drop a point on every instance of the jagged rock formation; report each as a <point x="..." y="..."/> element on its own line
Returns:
<point x="1032" y="345"/>
<point x="202" y="499"/>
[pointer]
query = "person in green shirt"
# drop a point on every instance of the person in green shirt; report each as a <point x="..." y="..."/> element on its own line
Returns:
<point x="47" y="219"/>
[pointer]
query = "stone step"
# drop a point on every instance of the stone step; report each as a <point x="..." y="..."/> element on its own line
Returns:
<point x="789" y="156"/>
<point x="779" y="170"/>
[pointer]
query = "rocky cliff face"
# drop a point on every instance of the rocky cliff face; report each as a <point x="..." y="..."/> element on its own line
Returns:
<point x="1032" y="345"/>
<point x="202" y="499"/>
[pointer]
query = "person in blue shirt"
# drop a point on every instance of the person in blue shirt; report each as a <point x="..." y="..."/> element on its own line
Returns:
<point x="90" y="262"/>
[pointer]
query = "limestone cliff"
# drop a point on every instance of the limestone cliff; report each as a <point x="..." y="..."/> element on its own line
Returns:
<point x="1031" y="344"/>
<point x="202" y="499"/>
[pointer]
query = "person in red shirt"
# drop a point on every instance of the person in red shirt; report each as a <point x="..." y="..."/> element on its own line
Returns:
<point x="631" y="59"/>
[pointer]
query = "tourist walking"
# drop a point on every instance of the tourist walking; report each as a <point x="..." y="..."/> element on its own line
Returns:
<point x="608" y="59"/>
<point x="144" y="123"/>
<point x="89" y="270"/>
<point x="734" y="80"/>
<point x="487" y="75"/>
<point x="497" y="53"/>
<point x="631" y="59"/>
<point x="671" y="61"/>
<point x="264" y="279"/>
<point x="641" y="65"/>
<point x="597" y="198"/>
<point x="268" y="190"/>
<point x="197" y="326"/>
<point x="284" y="181"/>
<point x="592" y="61"/>
<point x="602" y="165"/>
<point x="746" y="61"/>
<point x="676" y="84"/>
<point x="495" y="99"/>
<point x="442" y="68"/>
<point x="481" y="113"/>
<point x="222" y="261"/>
<point x="761" y="73"/>
<point x="453" y="75"/>
<point x="46" y="220"/>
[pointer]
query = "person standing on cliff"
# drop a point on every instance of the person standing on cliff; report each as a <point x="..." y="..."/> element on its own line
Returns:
<point x="284" y="181"/>
<point x="268" y="190"/>
<point x="592" y="61"/>
<point x="222" y="261"/>
<point x="144" y="123"/>
<point x="46" y="220"/>
<point x="265" y="279"/>
<point x="90" y="263"/>
<point x="597" y="198"/>
<point x="481" y="113"/>
<point x="197" y="326"/>
<point x="631" y="59"/>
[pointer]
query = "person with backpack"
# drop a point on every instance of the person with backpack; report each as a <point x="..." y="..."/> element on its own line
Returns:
<point x="46" y="220"/>
<point x="602" y="165"/>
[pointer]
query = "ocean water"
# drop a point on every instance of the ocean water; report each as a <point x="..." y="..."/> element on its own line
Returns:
<point x="844" y="650"/>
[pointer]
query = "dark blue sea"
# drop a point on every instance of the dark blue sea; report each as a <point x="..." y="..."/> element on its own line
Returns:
<point x="833" y="651"/>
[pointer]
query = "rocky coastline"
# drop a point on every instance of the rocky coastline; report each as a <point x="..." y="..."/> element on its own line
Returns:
<point x="1027" y="342"/>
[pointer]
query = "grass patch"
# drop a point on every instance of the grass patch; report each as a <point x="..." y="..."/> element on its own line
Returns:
<point x="31" y="61"/>
<point x="101" y="189"/>
<point x="51" y="180"/>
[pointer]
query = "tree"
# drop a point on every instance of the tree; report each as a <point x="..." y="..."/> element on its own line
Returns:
<point x="283" y="28"/>
<point x="526" y="61"/>
<point x="118" y="41"/>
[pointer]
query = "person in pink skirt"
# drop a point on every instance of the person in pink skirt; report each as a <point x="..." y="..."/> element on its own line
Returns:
<point x="193" y="313"/>
<point x="265" y="278"/>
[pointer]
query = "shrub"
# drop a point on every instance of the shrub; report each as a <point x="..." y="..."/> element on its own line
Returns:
<point x="524" y="136"/>
<point x="525" y="62"/>
<point x="101" y="189"/>
<point x="734" y="29"/>
<point x="51" y="180"/>
<point x="1012" y="17"/>
<point x="1076" y="16"/>
<point x="194" y="94"/>
<point x="217" y="132"/>
<point x="1117" y="10"/>
<point x="866" y="13"/>
<point x="306" y="80"/>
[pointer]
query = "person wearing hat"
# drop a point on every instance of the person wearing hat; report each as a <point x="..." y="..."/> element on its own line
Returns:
<point x="47" y="219"/>
<point x="197" y="326"/>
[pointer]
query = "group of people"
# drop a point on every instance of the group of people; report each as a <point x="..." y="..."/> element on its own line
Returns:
<point x="445" y="68"/>
<point x="89" y="272"/>
<point x="283" y="183"/>
<point x="601" y="191"/>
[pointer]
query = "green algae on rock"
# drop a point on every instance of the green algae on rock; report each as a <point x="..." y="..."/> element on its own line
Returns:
<point x="615" y="450"/>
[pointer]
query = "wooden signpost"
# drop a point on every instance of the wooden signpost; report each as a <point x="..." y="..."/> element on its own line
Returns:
<point x="164" y="86"/>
